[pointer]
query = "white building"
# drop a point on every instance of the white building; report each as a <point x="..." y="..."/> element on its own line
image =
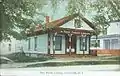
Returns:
<point x="10" y="46"/>
<point x="66" y="39"/>
<point x="112" y="39"/>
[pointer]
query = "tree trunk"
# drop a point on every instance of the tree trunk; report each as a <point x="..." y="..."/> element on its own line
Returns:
<point x="1" y="20"/>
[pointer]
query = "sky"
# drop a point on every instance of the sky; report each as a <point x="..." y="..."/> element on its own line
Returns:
<point x="60" y="12"/>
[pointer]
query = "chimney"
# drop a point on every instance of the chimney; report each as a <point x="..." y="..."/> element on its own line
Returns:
<point x="47" y="19"/>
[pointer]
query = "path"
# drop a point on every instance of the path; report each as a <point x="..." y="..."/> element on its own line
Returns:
<point x="82" y="70"/>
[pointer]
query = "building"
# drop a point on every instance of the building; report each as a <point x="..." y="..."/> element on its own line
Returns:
<point x="61" y="36"/>
<point x="112" y="39"/>
<point x="10" y="46"/>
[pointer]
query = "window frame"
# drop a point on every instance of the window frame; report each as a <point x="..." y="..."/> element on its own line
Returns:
<point x="108" y="44"/>
<point x="60" y="44"/>
<point x="84" y="45"/>
<point x="77" y="23"/>
<point x="93" y="43"/>
<point x="114" y="43"/>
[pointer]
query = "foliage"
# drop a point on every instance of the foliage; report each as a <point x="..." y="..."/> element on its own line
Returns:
<point x="75" y="6"/>
<point x="21" y="57"/>
<point x="16" y="16"/>
<point x="107" y="11"/>
<point x="101" y="12"/>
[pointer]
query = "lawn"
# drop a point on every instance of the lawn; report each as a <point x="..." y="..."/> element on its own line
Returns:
<point x="73" y="63"/>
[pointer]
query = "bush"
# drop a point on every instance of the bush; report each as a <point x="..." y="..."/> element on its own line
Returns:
<point x="21" y="57"/>
<point x="2" y="61"/>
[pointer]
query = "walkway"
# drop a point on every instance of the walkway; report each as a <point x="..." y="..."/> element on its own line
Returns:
<point x="82" y="70"/>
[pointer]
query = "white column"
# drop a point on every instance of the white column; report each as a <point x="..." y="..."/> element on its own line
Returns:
<point x="70" y="43"/>
<point x="54" y="43"/>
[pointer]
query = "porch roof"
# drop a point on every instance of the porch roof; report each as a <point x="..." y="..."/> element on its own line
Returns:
<point x="63" y="31"/>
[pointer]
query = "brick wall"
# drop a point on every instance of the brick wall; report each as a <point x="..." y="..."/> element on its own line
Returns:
<point x="106" y="52"/>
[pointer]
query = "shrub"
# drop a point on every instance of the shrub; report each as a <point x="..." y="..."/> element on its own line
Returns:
<point x="3" y="61"/>
<point x="21" y="57"/>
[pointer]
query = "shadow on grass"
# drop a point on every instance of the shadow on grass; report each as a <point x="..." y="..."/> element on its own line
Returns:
<point x="73" y="63"/>
<point x="115" y="58"/>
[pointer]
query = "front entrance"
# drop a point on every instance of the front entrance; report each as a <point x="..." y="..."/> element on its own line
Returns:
<point x="73" y="50"/>
<point x="78" y="45"/>
<point x="72" y="44"/>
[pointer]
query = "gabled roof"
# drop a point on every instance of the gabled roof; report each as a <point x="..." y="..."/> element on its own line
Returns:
<point x="59" y="22"/>
<point x="64" y="20"/>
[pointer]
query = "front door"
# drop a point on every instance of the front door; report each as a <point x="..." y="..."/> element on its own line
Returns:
<point x="73" y="44"/>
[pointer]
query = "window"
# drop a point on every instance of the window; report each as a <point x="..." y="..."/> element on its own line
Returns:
<point x="93" y="43"/>
<point x="115" y="44"/>
<point x="58" y="43"/>
<point x="105" y="31"/>
<point x="35" y="46"/>
<point x="98" y="43"/>
<point x="9" y="47"/>
<point x="29" y="43"/>
<point x="107" y="44"/>
<point x="83" y="43"/>
<point x="77" y="23"/>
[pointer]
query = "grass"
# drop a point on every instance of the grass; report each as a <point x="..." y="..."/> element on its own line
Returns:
<point x="73" y="63"/>
<point x="114" y="58"/>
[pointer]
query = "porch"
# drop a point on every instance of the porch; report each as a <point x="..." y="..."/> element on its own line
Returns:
<point x="70" y="42"/>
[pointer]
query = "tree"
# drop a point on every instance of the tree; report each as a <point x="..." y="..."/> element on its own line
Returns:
<point x="16" y="16"/>
<point x="102" y="11"/>
<point x="107" y="11"/>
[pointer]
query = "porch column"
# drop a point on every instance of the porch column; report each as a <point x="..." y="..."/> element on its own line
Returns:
<point x="89" y="43"/>
<point x="70" y="43"/>
<point x="54" y="43"/>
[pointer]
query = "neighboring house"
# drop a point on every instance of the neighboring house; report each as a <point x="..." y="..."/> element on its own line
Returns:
<point x="112" y="39"/>
<point x="10" y="46"/>
<point x="61" y="36"/>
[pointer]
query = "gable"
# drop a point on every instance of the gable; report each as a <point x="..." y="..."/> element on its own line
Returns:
<point x="67" y="22"/>
<point x="71" y="24"/>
